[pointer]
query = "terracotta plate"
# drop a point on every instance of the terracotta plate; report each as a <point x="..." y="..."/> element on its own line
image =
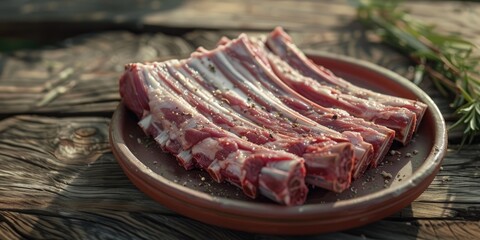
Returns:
<point x="370" y="198"/>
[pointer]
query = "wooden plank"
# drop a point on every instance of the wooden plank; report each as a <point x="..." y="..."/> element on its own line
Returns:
<point x="455" y="17"/>
<point x="66" y="181"/>
<point x="52" y="81"/>
<point x="81" y="75"/>
<point x="53" y="15"/>
<point x="36" y="18"/>
<point x="255" y="15"/>
<point x="421" y="229"/>
<point x="59" y="181"/>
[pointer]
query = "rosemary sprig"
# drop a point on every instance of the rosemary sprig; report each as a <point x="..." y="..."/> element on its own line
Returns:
<point x="450" y="61"/>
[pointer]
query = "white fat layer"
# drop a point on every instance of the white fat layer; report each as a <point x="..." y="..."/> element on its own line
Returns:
<point x="200" y="93"/>
<point x="180" y="131"/>
<point x="145" y="122"/>
<point x="235" y="72"/>
<point x="265" y="190"/>
<point x="206" y="96"/>
<point x="149" y="77"/>
<point x="192" y="85"/>
<point x="354" y="137"/>
<point x="186" y="156"/>
<point x="265" y="95"/>
<point x="189" y="124"/>
<point x="162" y="138"/>
<point x="405" y="132"/>
<point x="216" y="78"/>
<point x="214" y="171"/>
<point x="285" y="165"/>
<point x="175" y="132"/>
<point x="208" y="147"/>
<point x="234" y="162"/>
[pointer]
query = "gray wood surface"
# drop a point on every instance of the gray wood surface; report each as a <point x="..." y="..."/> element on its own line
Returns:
<point x="58" y="178"/>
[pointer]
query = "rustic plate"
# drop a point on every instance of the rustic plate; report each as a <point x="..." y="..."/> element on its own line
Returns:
<point x="370" y="198"/>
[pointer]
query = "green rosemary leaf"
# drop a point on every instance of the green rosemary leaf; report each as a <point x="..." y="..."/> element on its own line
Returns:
<point x="450" y="61"/>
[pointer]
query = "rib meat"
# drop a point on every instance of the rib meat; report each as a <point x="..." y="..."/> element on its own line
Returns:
<point x="221" y="74"/>
<point x="253" y="60"/>
<point x="196" y="141"/>
<point x="322" y="86"/>
<point x="336" y="158"/>
<point x="258" y="114"/>
<point x="328" y="163"/>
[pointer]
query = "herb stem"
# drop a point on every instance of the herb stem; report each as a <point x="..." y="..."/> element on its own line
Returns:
<point x="451" y="62"/>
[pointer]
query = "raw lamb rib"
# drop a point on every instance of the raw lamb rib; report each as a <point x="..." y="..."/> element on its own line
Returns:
<point x="322" y="86"/>
<point x="258" y="114"/>
<point x="251" y="59"/>
<point x="323" y="156"/>
<point x="221" y="74"/>
<point x="195" y="140"/>
<point x="328" y="163"/>
<point x="334" y="157"/>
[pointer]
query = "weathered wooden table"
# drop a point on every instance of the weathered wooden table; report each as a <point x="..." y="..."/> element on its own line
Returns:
<point x="58" y="177"/>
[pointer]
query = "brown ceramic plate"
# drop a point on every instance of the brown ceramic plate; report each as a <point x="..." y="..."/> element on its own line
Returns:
<point x="371" y="198"/>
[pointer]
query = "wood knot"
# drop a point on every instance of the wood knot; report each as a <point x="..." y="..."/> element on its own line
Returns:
<point x="81" y="141"/>
<point x="85" y="131"/>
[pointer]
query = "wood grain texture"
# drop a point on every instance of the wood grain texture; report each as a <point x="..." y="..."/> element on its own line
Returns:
<point x="305" y="16"/>
<point x="60" y="78"/>
<point x="53" y="81"/>
<point x="58" y="178"/>
<point x="66" y="184"/>
<point x="80" y="75"/>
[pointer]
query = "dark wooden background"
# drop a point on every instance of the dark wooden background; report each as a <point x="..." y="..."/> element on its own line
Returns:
<point x="58" y="88"/>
